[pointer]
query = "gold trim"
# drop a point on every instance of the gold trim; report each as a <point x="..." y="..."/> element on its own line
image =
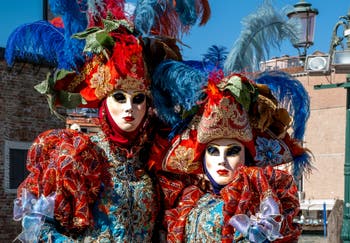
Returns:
<point x="225" y="120"/>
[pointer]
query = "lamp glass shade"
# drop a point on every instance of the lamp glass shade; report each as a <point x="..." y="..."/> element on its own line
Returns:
<point x="306" y="35"/>
<point x="341" y="61"/>
<point x="341" y="57"/>
<point x="306" y="17"/>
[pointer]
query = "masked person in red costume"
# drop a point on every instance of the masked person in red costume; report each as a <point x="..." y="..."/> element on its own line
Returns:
<point x="219" y="176"/>
<point x="97" y="189"/>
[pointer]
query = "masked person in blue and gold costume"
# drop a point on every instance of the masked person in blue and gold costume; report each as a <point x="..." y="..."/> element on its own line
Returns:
<point x="98" y="189"/>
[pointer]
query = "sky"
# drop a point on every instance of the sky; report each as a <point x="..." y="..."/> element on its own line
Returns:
<point x="223" y="28"/>
<point x="14" y="13"/>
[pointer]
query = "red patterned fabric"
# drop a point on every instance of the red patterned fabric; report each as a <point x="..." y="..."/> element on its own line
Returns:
<point x="175" y="219"/>
<point x="242" y="196"/>
<point x="171" y="189"/>
<point x="65" y="162"/>
<point x="252" y="184"/>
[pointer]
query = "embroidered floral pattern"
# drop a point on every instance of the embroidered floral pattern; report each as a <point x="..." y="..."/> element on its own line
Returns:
<point x="126" y="209"/>
<point x="268" y="152"/>
<point x="224" y="120"/>
<point x="204" y="222"/>
<point x="132" y="83"/>
<point x="183" y="159"/>
<point x="100" y="81"/>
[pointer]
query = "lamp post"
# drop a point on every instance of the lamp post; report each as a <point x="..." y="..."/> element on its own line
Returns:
<point x="341" y="64"/>
<point x="304" y="13"/>
<point x="345" y="233"/>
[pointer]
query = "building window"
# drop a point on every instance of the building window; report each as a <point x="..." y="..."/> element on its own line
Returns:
<point x="15" y="164"/>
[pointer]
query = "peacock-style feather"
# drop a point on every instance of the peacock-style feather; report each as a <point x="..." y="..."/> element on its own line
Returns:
<point x="292" y="96"/>
<point x="169" y="18"/>
<point x="176" y="89"/>
<point x="262" y="30"/>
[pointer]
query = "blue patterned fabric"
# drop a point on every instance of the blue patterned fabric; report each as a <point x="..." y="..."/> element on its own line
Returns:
<point x="205" y="221"/>
<point x="126" y="209"/>
<point x="127" y="206"/>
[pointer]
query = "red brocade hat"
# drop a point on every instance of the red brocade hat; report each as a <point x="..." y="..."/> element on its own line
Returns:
<point x="115" y="63"/>
<point x="221" y="117"/>
<point x="125" y="70"/>
<point x="236" y="108"/>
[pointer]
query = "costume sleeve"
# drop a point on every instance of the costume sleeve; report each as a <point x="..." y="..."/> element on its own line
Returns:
<point x="66" y="166"/>
<point x="250" y="187"/>
<point x="175" y="218"/>
<point x="287" y="192"/>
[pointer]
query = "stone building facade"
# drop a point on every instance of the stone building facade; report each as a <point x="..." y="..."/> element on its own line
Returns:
<point x="24" y="114"/>
<point x="325" y="137"/>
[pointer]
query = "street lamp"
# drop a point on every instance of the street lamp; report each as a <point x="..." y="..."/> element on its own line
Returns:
<point x="340" y="60"/>
<point x="304" y="13"/>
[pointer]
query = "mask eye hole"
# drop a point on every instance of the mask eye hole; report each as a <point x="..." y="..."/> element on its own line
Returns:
<point x="119" y="97"/>
<point x="213" y="151"/>
<point x="139" y="99"/>
<point x="234" y="150"/>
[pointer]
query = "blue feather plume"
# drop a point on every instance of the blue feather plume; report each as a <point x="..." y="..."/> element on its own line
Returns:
<point x="292" y="96"/>
<point x="302" y="165"/>
<point x="187" y="11"/>
<point x="39" y="42"/>
<point x="42" y="43"/>
<point x="146" y="14"/>
<point x="262" y="30"/>
<point x="176" y="89"/>
<point x="73" y="14"/>
<point x="216" y="55"/>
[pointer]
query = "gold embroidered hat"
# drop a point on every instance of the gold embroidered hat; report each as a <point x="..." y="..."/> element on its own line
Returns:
<point x="114" y="61"/>
<point x="222" y="116"/>
<point x="238" y="108"/>
<point x="123" y="69"/>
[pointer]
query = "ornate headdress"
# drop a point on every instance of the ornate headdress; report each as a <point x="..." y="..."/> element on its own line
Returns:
<point x="221" y="115"/>
<point x="99" y="49"/>
<point x="116" y="62"/>
<point x="235" y="107"/>
<point x="102" y="46"/>
<point x="276" y="103"/>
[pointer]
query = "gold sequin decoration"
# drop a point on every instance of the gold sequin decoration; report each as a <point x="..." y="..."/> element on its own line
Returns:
<point x="101" y="82"/>
<point x="183" y="160"/>
<point x="225" y="121"/>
